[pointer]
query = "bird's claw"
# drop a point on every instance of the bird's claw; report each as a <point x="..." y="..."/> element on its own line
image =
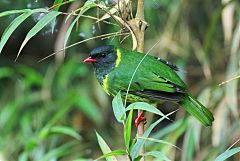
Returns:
<point x="140" y="118"/>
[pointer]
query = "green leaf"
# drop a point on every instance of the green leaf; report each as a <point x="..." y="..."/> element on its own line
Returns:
<point x="127" y="130"/>
<point x="64" y="105"/>
<point x="118" y="108"/>
<point x="82" y="159"/>
<point x="65" y="130"/>
<point x="158" y="155"/>
<point x="58" y="152"/>
<point x="57" y="2"/>
<point x="113" y="153"/>
<point x="160" y="141"/>
<point x="42" y="23"/>
<point x="15" y="23"/>
<point x="6" y="13"/>
<point x="146" y="107"/>
<point x="56" y="5"/>
<point x="232" y="71"/>
<point x="227" y="154"/>
<point x="31" y="76"/>
<point x="87" y="106"/>
<point x="191" y="141"/>
<point x="136" y="148"/>
<point x="87" y="5"/>
<point x="167" y="130"/>
<point x="6" y="72"/>
<point x="12" y="27"/>
<point x="105" y="148"/>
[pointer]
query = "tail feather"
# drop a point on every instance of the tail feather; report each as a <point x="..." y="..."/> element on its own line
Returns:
<point x="195" y="108"/>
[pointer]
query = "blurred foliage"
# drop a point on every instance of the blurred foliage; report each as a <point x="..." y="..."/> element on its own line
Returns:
<point x="49" y="110"/>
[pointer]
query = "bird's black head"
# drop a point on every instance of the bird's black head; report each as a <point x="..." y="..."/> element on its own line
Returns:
<point x="103" y="59"/>
<point x="102" y="56"/>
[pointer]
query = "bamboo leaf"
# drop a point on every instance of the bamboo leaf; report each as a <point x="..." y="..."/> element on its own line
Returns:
<point x="160" y="141"/>
<point x="136" y="148"/>
<point x="6" y="72"/>
<point x="227" y="154"/>
<point x="40" y="25"/>
<point x="12" y="27"/>
<point x="146" y="107"/>
<point x="157" y="154"/>
<point x="233" y="70"/>
<point x="6" y="13"/>
<point x="105" y="148"/>
<point x="118" y="108"/>
<point x="127" y="130"/>
<point x="66" y="131"/>
<point x="15" y="23"/>
<point x="58" y="152"/>
<point x="113" y="153"/>
<point x="56" y="6"/>
<point x="87" y="106"/>
<point x="57" y="3"/>
<point x="87" y="5"/>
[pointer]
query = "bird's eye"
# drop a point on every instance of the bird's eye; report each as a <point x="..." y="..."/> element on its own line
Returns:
<point x="103" y="55"/>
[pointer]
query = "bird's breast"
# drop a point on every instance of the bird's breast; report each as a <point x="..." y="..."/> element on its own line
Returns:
<point x="105" y="84"/>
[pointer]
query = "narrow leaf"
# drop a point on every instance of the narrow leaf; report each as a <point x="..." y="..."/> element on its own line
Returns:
<point x="56" y="6"/>
<point x="15" y="23"/>
<point x="42" y="23"/>
<point x="113" y="153"/>
<point x="127" y="130"/>
<point x="105" y="148"/>
<point x="57" y="3"/>
<point x="87" y="5"/>
<point x="158" y="155"/>
<point x="6" y="72"/>
<point x="118" y="108"/>
<point x="65" y="130"/>
<point x="12" y="27"/>
<point x="227" y="154"/>
<point x="6" y="13"/>
<point x="160" y="141"/>
<point x="136" y="148"/>
<point x="146" y="107"/>
<point x="58" y="152"/>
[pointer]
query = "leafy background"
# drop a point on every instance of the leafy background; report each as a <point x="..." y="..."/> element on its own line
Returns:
<point x="50" y="110"/>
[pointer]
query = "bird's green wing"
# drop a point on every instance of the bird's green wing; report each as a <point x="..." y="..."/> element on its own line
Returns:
<point x="153" y="79"/>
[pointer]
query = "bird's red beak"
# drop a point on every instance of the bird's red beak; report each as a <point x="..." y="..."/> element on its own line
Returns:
<point x="89" y="60"/>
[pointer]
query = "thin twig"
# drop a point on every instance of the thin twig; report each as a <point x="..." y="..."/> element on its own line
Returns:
<point x="233" y="144"/>
<point x="227" y="81"/>
<point x="100" y="36"/>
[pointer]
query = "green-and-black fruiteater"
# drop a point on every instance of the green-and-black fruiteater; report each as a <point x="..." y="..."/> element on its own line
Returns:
<point x="154" y="81"/>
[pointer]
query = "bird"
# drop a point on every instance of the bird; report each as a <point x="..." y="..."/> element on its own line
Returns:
<point x="155" y="80"/>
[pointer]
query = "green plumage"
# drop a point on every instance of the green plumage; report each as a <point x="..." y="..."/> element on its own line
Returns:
<point x="155" y="80"/>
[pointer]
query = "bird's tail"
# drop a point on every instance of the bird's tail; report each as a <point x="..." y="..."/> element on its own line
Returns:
<point x="196" y="109"/>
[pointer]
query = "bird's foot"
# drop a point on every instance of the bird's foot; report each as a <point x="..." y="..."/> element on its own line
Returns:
<point x="140" y="118"/>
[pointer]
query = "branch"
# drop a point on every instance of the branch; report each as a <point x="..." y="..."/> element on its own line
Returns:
<point x="140" y="9"/>
<point x="139" y="25"/>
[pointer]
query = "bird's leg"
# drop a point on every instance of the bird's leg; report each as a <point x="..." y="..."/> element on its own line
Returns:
<point x="140" y="118"/>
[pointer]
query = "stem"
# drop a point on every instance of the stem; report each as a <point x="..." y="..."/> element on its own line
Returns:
<point x="140" y="9"/>
<point x="62" y="32"/>
<point x="138" y="26"/>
